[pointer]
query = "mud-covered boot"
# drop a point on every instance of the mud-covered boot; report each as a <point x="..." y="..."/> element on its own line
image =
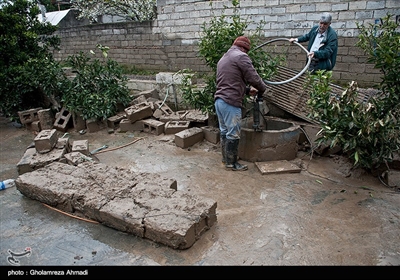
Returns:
<point x="231" y="156"/>
<point x="223" y="148"/>
<point x="239" y="167"/>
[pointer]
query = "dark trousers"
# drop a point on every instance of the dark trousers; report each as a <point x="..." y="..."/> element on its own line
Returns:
<point x="313" y="65"/>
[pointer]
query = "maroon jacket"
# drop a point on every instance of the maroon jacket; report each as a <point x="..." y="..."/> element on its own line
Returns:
<point x="234" y="72"/>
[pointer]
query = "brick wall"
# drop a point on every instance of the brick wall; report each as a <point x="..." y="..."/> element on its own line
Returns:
<point x="170" y="43"/>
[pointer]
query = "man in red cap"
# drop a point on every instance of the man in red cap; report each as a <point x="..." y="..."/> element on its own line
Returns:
<point x="236" y="77"/>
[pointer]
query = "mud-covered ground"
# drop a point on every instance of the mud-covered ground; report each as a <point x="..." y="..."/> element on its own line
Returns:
<point x="325" y="215"/>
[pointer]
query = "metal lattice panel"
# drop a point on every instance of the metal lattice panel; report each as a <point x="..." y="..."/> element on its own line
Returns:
<point x="292" y="98"/>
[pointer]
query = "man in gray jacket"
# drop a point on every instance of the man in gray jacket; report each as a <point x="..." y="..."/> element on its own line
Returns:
<point x="322" y="44"/>
<point x="236" y="77"/>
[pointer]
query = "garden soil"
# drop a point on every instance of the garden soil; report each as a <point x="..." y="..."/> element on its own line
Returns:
<point x="324" y="215"/>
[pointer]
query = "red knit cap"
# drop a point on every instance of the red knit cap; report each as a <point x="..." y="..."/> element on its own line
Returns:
<point x="242" y="41"/>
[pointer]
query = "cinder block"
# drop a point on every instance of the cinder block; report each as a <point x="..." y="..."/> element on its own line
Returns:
<point x="138" y="112"/>
<point x="63" y="120"/>
<point x="173" y="127"/>
<point x="138" y="100"/>
<point x="113" y="122"/>
<point x="46" y="118"/>
<point x="392" y="178"/>
<point x="211" y="134"/>
<point x="75" y="158"/>
<point x="94" y="125"/>
<point x="153" y="126"/>
<point x="81" y="146"/>
<point x="34" y="126"/>
<point x="46" y="140"/>
<point x="126" y="125"/>
<point x="151" y="93"/>
<point x="196" y="116"/>
<point x="78" y="122"/>
<point x="189" y="137"/>
<point x="161" y="109"/>
<point x="24" y="164"/>
<point x="29" y="116"/>
<point x="175" y="116"/>
<point x="63" y="143"/>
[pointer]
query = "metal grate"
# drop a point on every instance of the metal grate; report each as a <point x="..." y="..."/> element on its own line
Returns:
<point x="291" y="96"/>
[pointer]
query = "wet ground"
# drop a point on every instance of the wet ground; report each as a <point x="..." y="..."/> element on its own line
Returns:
<point x="323" y="216"/>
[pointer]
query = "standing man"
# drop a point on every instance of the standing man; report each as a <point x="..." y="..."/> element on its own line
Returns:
<point x="236" y="77"/>
<point x="322" y="44"/>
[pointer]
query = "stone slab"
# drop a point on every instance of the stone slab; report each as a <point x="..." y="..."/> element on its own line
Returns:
<point x="275" y="167"/>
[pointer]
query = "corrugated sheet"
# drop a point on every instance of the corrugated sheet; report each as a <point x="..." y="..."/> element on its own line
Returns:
<point x="54" y="17"/>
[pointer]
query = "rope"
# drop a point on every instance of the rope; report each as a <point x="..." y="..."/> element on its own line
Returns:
<point x="108" y="150"/>
<point x="70" y="215"/>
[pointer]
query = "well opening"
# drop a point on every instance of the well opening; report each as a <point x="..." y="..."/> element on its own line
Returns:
<point x="277" y="140"/>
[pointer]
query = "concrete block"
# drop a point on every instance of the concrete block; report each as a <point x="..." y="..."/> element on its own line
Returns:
<point x="34" y="126"/>
<point x="395" y="163"/>
<point x="63" y="120"/>
<point x="94" y="125"/>
<point x="75" y="158"/>
<point x="174" y="78"/>
<point x="46" y="140"/>
<point x="46" y="118"/>
<point x="175" y="116"/>
<point x="392" y="178"/>
<point x="189" y="137"/>
<point x="126" y="125"/>
<point x="81" y="146"/>
<point x="196" y="116"/>
<point x="32" y="160"/>
<point x="24" y="164"/>
<point x="211" y="134"/>
<point x="63" y="143"/>
<point x="29" y="116"/>
<point x="138" y="112"/>
<point x="138" y="100"/>
<point x="78" y="122"/>
<point x="153" y="126"/>
<point x="161" y="109"/>
<point x="146" y="92"/>
<point x="173" y="127"/>
<point x="150" y="93"/>
<point x="113" y="122"/>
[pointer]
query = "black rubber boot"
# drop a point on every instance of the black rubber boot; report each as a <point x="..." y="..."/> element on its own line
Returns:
<point x="223" y="148"/>
<point x="231" y="155"/>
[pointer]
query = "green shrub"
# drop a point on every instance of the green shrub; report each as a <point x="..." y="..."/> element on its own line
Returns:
<point x="97" y="88"/>
<point x="29" y="76"/>
<point x="368" y="131"/>
<point x="218" y="35"/>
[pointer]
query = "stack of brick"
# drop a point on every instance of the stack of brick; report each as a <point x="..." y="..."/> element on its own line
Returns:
<point x="48" y="148"/>
<point x="36" y="119"/>
<point x="155" y="117"/>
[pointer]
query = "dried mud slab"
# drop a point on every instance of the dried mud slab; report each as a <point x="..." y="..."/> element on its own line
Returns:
<point x="144" y="204"/>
